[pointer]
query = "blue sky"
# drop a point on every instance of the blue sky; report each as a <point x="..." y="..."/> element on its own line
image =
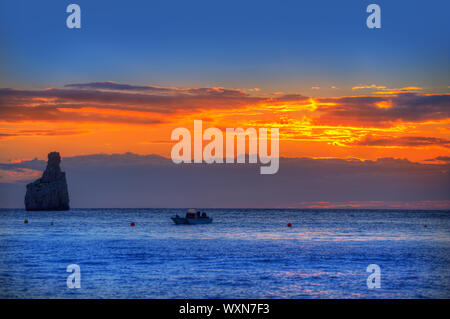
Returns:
<point x="381" y="107"/>
<point x="274" y="45"/>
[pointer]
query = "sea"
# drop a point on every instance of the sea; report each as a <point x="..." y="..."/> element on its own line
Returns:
<point x="244" y="253"/>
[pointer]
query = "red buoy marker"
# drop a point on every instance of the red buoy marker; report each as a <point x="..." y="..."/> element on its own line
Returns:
<point x="289" y="225"/>
<point x="132" y="224"/>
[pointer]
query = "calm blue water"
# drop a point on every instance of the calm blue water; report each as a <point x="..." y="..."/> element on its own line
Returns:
<point x="242" y="254"/>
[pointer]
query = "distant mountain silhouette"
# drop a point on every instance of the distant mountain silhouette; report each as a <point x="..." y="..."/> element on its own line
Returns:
<point x="131" y="180"/>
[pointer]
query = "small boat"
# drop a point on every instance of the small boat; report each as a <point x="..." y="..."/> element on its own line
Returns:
<point x="192" y="217"/>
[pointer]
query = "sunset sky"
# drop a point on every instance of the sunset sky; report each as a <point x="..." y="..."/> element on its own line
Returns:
<point x="131" y="74"/>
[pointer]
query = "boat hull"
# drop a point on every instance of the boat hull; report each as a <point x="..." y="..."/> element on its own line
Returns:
<point x="191" y="221"/>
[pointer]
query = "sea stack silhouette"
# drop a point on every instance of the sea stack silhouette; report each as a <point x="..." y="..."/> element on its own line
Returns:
<point x="50" y="191"/>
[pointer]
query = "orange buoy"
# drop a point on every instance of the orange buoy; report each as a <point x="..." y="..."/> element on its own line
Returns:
<point x="289" y="225"/>
<point x="132" y="224"/>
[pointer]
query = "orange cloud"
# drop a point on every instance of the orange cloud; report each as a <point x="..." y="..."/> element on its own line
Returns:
<point x="108" y="116"/>
<point x="40" y="132"/>
<point x="384" y="104"/>
<point x="373" y="86"/>
<point x="383" y="90"/>
<point x="403" y="141"/>
<point x="409" y="89"/>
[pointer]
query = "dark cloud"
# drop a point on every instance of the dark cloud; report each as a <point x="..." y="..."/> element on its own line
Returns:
<point x="216" y="91"/>
<point x="21" y="105"/>
<point x="289" y="98"/>
<point x="34" y="164"/>
<point x="369" y="110"/>
<point x="55" y="114"/>
<point x="445" y="159"/>
<point x="108" y="85"/>
<point x="409" y="141"/>
<point x="363" y="111"/>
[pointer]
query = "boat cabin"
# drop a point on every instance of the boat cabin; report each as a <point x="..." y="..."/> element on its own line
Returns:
<point x="192" y="213"/>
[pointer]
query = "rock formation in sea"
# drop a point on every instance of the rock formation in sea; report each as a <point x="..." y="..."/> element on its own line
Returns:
<point x="50" y="191"/>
